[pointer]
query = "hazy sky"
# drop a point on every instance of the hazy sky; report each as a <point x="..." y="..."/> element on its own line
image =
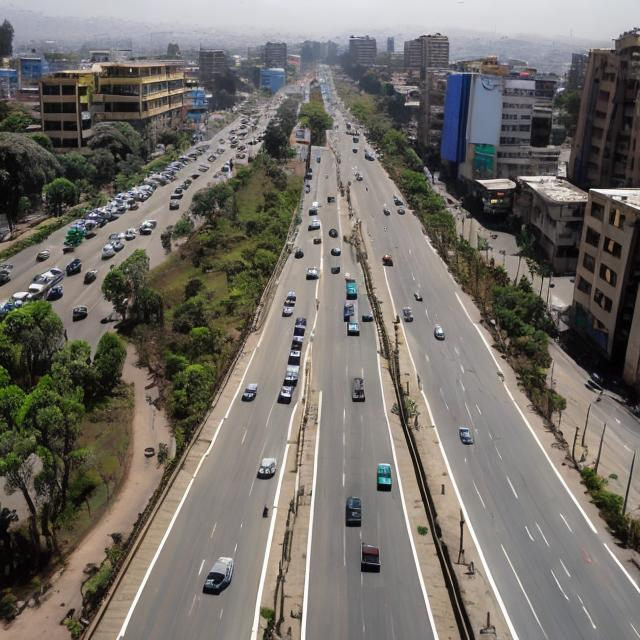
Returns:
<point x="580" y="18"/>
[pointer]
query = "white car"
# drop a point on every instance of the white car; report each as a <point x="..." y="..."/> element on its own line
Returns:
<point x="108" y="251"/>
<point x="313" y="273"/>
<point x="130" y="234"/>
<point x="267" y="468"/>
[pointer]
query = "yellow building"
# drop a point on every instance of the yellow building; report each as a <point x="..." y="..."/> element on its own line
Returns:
<point x="147" y="94"/>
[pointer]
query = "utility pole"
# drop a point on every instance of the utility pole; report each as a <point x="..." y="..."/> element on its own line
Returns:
<point x="573" y="448"/>
<point x="461" y="548"/>
<point x="600" y="448"/>
<point x="586" y="422"/>
<point x="626" y="493"/>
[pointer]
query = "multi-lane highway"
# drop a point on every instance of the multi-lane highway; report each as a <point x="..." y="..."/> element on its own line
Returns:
<point x="552" y="569"/>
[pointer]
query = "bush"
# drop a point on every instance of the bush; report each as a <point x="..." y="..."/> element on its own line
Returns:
<point x="8" y="605"/>
<point x="268" y="614"/>
<point x="95" y="587"/>
<point x="189" y="314"/>
<point x="193" y="287"/>
<point x="174" y="363"/>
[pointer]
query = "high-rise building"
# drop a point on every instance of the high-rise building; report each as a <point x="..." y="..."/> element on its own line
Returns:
<point x="147" y="94"/>
<point x="362" y="51"/>
<point x="577" y="71"/>
<point x="391" y="44"/>
<point x="606" y="145"/>
<point x="275" y="55"/>
<point x="430" y="51"/>
<point x="272" y="79"/>
<point x="213" y="63"/>
<point x="606" y="308"/>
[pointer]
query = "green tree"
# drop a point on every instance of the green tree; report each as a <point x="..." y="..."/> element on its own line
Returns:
<point x="119" y="138"/>
<point x="313" y="116"/>
<point x="123" y="284"/>
<point x="71" y="368"/>
<point x="16" y="122"/>
<point x="276" y="141"/>
<point x="76" y="166"/>
<point x="43" y="140"/>
<point x="6" y="38"/>
<point x="104" y="166"/>
<point x="192" y="390"/>
<point x="193" y="287"/>
<point x="60" y="193"/>
<point x="25" y="167"/>
<point x="109" y="361"/>
<point x="183" y="226"/>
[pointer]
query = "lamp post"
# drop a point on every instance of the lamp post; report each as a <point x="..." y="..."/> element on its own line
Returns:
<point x="586" y="422"/>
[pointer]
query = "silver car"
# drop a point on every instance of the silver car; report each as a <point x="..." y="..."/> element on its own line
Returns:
<point x="219" y="577"/>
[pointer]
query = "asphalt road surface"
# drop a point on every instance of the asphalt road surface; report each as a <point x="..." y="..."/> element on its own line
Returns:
<point x="343" y="602"/>
<point x="552" y="569"/>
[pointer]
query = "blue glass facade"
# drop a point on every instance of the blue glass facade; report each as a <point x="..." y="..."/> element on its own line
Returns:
<point x="456" y="107"/>
<point x="198" y="105"/>
<point x="272" y="79"/>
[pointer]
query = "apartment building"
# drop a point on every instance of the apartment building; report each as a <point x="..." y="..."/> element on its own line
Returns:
<point x="554" y="210"/>
<point x="427" y="51"/>
<point x="606" y="149"/>
<point x="212" y="64"/>
<point x="577" y="71"/>
<point x="391" y="45"/>
<point x="363" y="51"/>
<point x="605" y="306"/>
<point x="147" y="94"/>
<point x="275" y="55"/>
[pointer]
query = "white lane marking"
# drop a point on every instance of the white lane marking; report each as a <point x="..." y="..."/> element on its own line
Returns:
<point x="626" y="573"/>
<point x="524" y="418"/>
<point x="163" y="541"/>
<point x="479" y="496"/>
<point x="457" y="351"/>
<point x="413" y="277"/>
<point x="634" y="630"/>
<point x="565" y="568"/>
<point x="544" y="538"/>
<point x="427" y="312"/>
<point x="529" y="533"/>
<point x="461" y="384"/>
<point x="213" y="530"/>
<point x="586" y="612"/>
<point x="499" y="455"/>
<point x="305" y="595"/>
<point x="566" y="597"/>
<point x="627" y="448"/>
<point x="469" y="412"/>
<point x="272" y="526"/>
<point x="344" y="546"/>
<point x="618" y="420"/>
<point x="251" y="487"/>
<point x="472" y="531"/>
<point x="533" y="611"/>
<point x="201" y="565"/>
<point x="512" y="487"/>
<point x="443" y="400"/>
<point x="565" y="521"/>
<point x="426" y="357"/>
<point x="235" y="548"/>
<point x="193" y="602"/>
<point x="478" y="408"/>
<point x="221" y="612"/>
<point x="242" y="524"/>
<point x="343" y="478"/>
<point x="244" y="435"/>
<point x="404" y="505"/>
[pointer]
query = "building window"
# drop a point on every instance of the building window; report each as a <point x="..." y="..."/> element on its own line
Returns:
<point x="50" y="89"/>
<point x="68" y="90"/>
<point x="602" y="301"/>
<point x="51" y="107"/>
<point x="608" y="274"/>
<point x="616" y="219"/>
<point x="592" y="237"/>
<point x="597" y="211"/>
<point x="584" y="285"/>
<point x="52" y="125"/>
<point x="612" y="247"/>
<point x="589" y="262"/>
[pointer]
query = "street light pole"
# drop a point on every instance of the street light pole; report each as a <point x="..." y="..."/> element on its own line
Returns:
<point x="586" y="422"/>
<point x="626" y="493"/>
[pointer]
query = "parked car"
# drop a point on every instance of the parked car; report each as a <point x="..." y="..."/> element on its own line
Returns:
<point x="173" y="204"/>
<point x="397" y="201"/>
<point x="55" y="293"/>
<point x="219" y="577"/>
<point x="250" y="392"/>
<point x="118" y="245"/>
<point x="108" y="251"/>
<point x="79" y="313"/>
<point x="130" y="234"/>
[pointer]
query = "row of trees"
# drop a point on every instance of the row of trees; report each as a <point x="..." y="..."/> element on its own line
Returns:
<point x="46" y="387"/>
<point x="276" y="135"/>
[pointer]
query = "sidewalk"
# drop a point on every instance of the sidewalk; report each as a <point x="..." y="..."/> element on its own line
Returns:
<point x="149" y="429"/>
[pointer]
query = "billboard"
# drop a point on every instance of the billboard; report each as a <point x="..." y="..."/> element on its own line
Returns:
<point x="454" y="128"/>
<point x="485" y="110"/>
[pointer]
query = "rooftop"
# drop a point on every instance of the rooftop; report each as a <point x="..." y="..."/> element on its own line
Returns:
<point x="555" y="189"/>
<point x="628" y="196"/>
<point x="499" y="184"/>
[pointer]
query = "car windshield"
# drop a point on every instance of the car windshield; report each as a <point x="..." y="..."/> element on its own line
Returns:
<point x="216" y="577"/>
<point x="355" y="503"/>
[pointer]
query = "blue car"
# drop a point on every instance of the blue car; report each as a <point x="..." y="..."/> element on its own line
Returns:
<point x="55" y="293"/>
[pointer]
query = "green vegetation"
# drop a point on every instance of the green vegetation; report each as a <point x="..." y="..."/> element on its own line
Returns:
<point x="569" y="104"/>
<point x="60" y="193"/>
<point x="422" y="530"/>
<point x="276" y="135"/>
<point x="268" y="614"/>
<point x="47" y="389"/>
<point x="211" y="286"/>
<point x="315" y="118"/>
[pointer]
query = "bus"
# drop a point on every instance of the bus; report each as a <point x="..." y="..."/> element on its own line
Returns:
<point x="352" y="290"/>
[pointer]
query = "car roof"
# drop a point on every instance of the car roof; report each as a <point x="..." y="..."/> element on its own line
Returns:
<point x="267" y="462"/>
<point x="253" y="386"/>
<point x="383" y="466"/>
<point x="221" y="564"/>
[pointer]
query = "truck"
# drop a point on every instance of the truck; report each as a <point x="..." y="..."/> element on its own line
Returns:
<point x="351" y="288"/>
<point x="369" y="558"/>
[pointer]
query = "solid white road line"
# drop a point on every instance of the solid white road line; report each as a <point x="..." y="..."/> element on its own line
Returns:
<point x="565" y="521"/>
<point x="512" y="487"/>
<point x="544" y="538"/>
<point x="533" y="611"/>
<point x="475" y="486"/>
<point x="626" y="573"/>
<point x="163" y="541"/>
<point x="404" y="507"/>
<point x="526" y="422"/>
<point x="529" y="533"/>
<point x="586" y="612"/>
<point x="201" y="565"/>
<point x="272" y="526"/>
<point x="566" y="597"/>
<point x="305" y="596"/>
<point x="565" y="568"/>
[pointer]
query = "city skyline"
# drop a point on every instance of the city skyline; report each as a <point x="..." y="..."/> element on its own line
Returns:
<point x="569" y="19"/>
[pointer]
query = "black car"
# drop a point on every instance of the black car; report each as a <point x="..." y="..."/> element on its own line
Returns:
<point x="79" y="313"/>
<point x="333" y="233"/>
<point x="353" y="511"/>
<point x="367" y="317"/>
<point x="299" y="253"/>
<point x="5" y="276"/>
<point x="90" y="276"/>
<point x="75" y="266"/>
<point x="335" y="269"/>
<point x="55" y="293"/>
<point x="317" y="241"/>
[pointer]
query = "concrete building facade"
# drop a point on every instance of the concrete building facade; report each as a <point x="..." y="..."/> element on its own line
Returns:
<point x="275" y="55"/>
<point x="427" y="51"/>
<point x="606" y="149"/>
<point x="554" y="210"/>
<point x="391" y="45"/>
<point x="212" y="63"/>
<point x="605" y="299"/>
<point x="147" y="94"/>
<point x="577" y="71"/>
<point x="363" y="51"/>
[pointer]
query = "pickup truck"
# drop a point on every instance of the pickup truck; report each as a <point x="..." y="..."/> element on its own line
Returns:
<point x="370" y="558"/>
